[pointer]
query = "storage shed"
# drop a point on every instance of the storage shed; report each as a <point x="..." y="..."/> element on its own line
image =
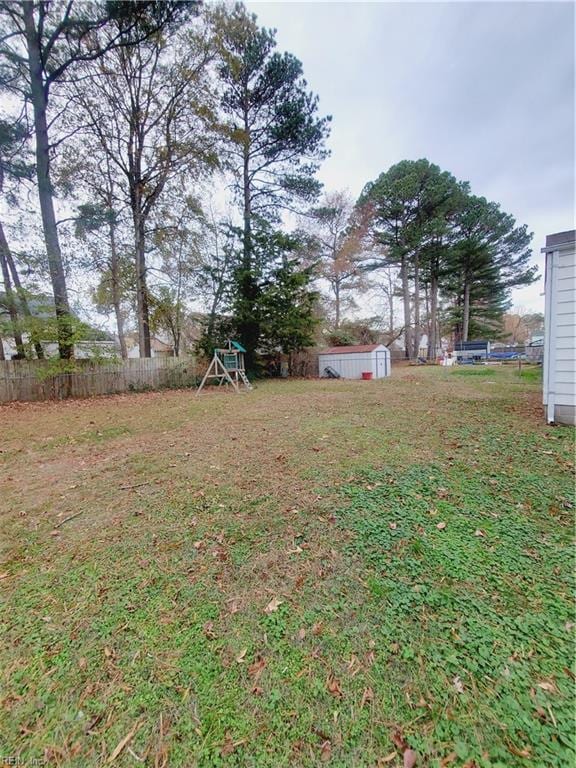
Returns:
<point x="559" y="377"/>
<point x="352" y="362"/>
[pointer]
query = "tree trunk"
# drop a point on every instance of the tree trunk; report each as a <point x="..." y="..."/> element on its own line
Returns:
<point x="337" y="305"/>
<point x="390" y="303"/>
<point x="249" y="326"/>
<point x="141" y="284"/>
<point x="432" y="340"/>
<point x="116" y="293"/>
<point x="466" y="312"/>
<point x="416" y="305"/>
<point x="39" y="97"/>
<point x="120" y="327"/>
<point x="406" y="302"/>
<point x="24" y="304"/>
<point x="10" y="298"/>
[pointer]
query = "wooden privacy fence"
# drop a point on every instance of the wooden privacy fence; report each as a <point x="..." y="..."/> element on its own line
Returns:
<point x="40" y="379"/>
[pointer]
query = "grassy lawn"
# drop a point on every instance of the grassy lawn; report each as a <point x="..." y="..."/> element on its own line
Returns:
<point x="317" y="572"/>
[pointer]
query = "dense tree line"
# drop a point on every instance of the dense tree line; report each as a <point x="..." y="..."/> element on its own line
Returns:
<point x="121" y="120"/>
<point x="458" y="255"/>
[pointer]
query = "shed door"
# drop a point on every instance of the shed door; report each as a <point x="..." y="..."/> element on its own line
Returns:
<point x="381" y="367"/>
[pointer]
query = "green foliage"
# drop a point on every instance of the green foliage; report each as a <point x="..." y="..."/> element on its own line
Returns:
<point x="267" y="89"/>
<point x="488" y="256"/>
<point x="92" y="217"/>
<point x="409" y="206"/>
<point x="216" y="333"/>
<point x="287" y="307"/>
<point x="274" y="297"/>
<point x="14" y="153"/>
<point x="355" y="332"/>
<point x="464" y="244"/>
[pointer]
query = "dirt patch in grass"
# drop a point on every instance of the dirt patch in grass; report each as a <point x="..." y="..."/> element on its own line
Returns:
<point x="232" y="591"/>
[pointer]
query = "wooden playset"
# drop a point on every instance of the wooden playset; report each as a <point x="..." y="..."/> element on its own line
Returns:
<point x="227" y="366"/>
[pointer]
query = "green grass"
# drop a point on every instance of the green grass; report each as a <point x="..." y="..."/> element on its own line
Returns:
<point x="413" y="536"/>
<point x="478" y="611"/>
<point x="532" y="374"/>
<point x="472" y="370"/>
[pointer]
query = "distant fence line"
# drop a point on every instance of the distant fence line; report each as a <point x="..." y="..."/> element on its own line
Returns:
<point x="40" y="380"/>
<point x="35" y="380"/>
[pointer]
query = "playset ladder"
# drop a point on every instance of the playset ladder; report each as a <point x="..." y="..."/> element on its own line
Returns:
<point x="245" y="379"/>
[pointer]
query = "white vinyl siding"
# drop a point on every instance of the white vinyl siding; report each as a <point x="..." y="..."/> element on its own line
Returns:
<point x="560" y="337"/>
<point x="351" y="365"/>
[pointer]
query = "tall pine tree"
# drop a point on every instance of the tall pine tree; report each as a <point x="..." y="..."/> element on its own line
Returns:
<point x="275" y="139"/>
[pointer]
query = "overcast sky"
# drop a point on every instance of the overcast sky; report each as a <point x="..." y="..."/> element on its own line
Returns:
<point x="484" y="90"/>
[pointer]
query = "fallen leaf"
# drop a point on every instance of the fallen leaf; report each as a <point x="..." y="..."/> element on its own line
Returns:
<point x="233" y="606"/>
<point x="479" y="532"/>
<point x="548" y="685"/>
<point x="4" y="575"/>
<point x="368" y="695"/>
<point x="240" y="658"/>
<point x="198" y="544"/>
<point x="296" y="551"/>
<point x="333" y="686"/>
<point x="126" y="740"/>
<point x="393" y="526"/>
<point x="519" y="752"/>
<point x="326" y="752"/>
<point x="398" y="740"/>
<point x="387" y="759"/>
<point x="301" y="633"/>
<point x="354" y="666"/>
<point x="273" y="605"/>
<point x="458" y="685"/>
<point x="410" y="758"/>
<point x="256" y="668"/>
<point x="317" y="628"/>
<point x="228" y="746"/>
<point x="209" y="630"/>
<point x="440" y="526"/>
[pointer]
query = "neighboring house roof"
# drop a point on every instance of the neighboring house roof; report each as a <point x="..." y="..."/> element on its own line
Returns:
<point x="158" y="345"/>
<point x="351" y="350"/>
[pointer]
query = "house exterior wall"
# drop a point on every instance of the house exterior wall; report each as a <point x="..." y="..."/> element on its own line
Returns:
<point x="559" y="374"/>
<point x="352" y="364"/>
<point x="83" y="350"/>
